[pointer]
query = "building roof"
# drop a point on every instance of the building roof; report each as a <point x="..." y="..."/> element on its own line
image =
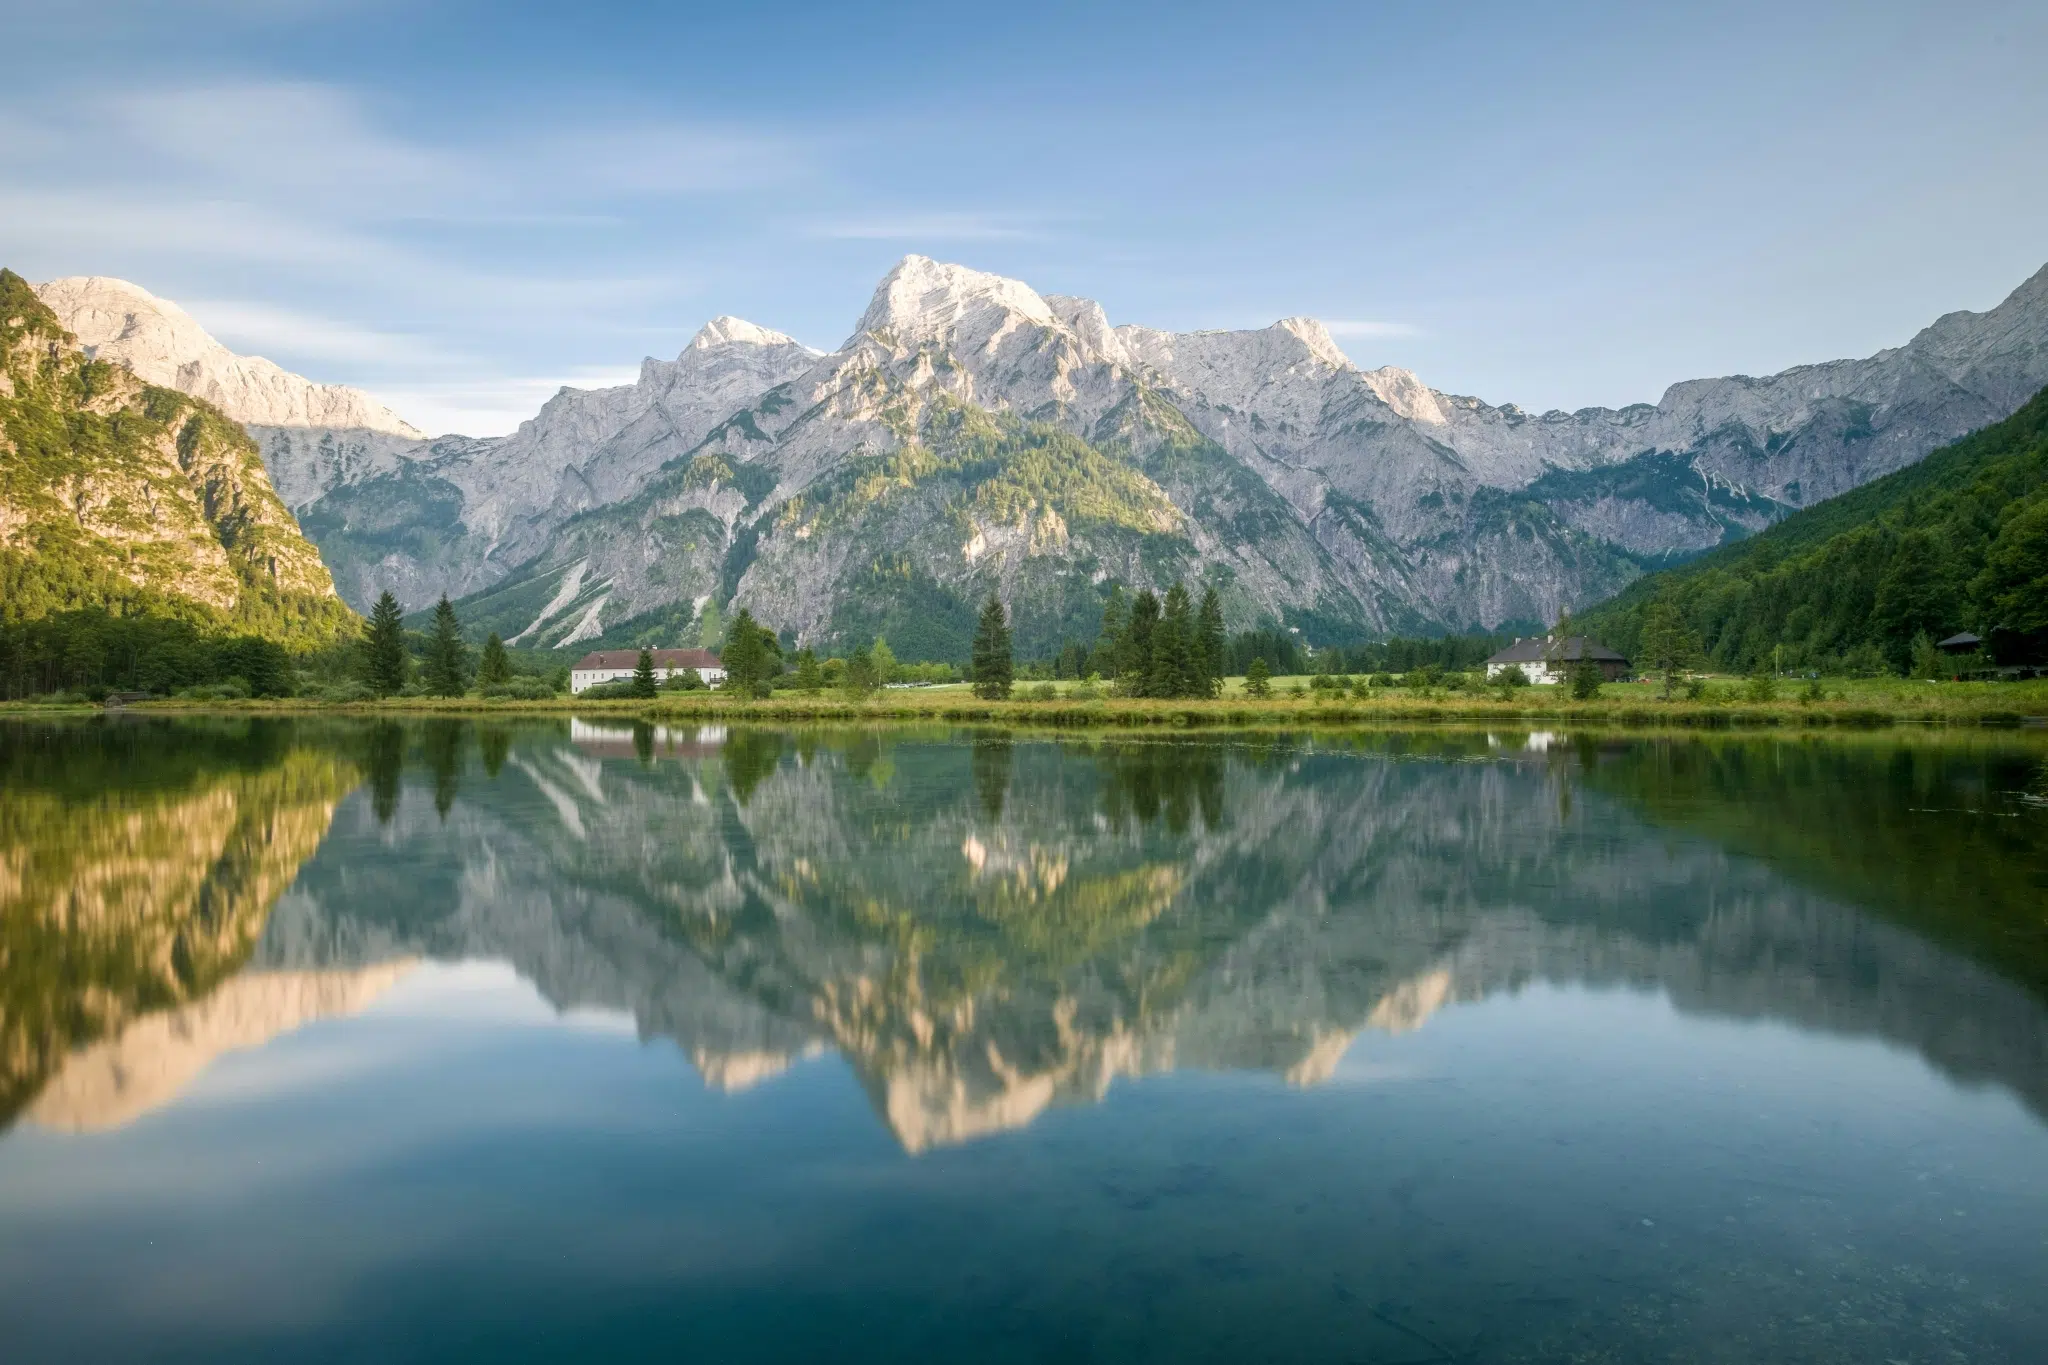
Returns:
<point x="663" y="658"/>
<point x="1539" y="649"/>
<point x="1961" y="640"/>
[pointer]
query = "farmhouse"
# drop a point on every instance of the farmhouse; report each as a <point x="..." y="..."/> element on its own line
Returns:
<point x="617" y="665"/>
<point x="1546" y="659"/>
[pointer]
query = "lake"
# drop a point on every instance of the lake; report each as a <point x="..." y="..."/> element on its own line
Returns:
<point x="440" y="1041"/>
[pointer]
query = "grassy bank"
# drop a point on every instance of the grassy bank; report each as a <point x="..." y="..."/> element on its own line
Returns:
<point x="1851" y="703"/>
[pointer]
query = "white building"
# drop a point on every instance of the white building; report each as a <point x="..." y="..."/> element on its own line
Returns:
<point x="1550" y="660"/>
<point x="618" y="665"/>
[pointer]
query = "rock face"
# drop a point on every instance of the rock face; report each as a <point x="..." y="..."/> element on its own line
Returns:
<point x="160" y="343"/>
<point x="117" y="493"/>
<point x="973" y="435"/>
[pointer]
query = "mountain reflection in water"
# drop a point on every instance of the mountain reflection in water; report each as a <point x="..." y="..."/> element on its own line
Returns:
<point x="984" y="926"/>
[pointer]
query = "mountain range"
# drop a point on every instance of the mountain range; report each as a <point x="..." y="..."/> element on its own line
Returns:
<point x="973" y="435"/>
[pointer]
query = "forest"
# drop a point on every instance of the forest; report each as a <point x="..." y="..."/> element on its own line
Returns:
<point x="1867" y="581"/>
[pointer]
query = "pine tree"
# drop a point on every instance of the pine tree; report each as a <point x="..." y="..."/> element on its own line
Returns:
<point x="1134" y="655"/>
<point x="447" y="662"/>
<point x="993" y="667"/>
<point x="1109" y="640"/>
<point x="749" y="657"/>
<point x="1171" y="671"/>
<point x="808" y="676"/>
<point x="495" y="668"/>
<point x="643" y="675"/>
<point x="384" y="658"/>
<point x="1210" y="644"/>
<point x="1258" y="679"/>
<point x="710" y="629"/>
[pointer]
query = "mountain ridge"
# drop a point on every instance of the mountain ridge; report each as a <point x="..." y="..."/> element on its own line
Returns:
<point x="1314" y="493"/>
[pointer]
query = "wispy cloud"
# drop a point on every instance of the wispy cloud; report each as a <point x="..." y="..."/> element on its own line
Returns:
<point x="263" y="328"/>
<point x="297" y="220"/>
<point x="927" y="227"/>
<point x="1353" y="327"/>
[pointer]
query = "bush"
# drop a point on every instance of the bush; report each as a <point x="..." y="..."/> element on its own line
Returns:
<point x="1087" y="690"/>
<point x="347" y="690"/>
<point x="1761" y="687"/>
<point x="519" y="689"/>
<point x="622" y="690"/>
<point x="1045" y="691"/>
<point x="234" y="689"/>
<point x="1387" y="679"/>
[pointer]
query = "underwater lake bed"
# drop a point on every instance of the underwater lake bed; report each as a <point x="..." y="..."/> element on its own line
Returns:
<point x="451" y="1040"/>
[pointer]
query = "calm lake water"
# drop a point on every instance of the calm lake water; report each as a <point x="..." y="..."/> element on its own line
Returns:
<point x="438" y="1041"/>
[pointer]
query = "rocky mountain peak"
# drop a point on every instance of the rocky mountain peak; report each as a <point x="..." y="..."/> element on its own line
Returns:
<point x="731" y="331"/>
<point x="1312" y="334"/>
<point x="1407" y="395"/>
<point x="926" y="300"/>
<point x="161" y="343"/>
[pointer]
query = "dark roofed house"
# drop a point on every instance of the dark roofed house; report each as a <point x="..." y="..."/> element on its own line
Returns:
<point x="1546" y="660"/>
<point x="1961" y="643"/>
<point x="613" y="665"/>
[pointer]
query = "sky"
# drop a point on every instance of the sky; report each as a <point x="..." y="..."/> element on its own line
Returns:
<point x="462" y="206"/>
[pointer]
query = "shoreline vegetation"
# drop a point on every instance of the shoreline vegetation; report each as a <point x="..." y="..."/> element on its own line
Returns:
<point x="1292" y="702"/>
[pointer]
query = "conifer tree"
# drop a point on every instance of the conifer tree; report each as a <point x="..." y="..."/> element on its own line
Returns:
<point x="1210" y="644"/>
<point x="1171" y="671"/>
<point x="710" y="629"/>
<point x="808" y="676"/>
<point x="993" y="667"/>
<point x="447" y="659"/>
<point x="1109" y="640"/>
<point x="1134" y="656"/>
<point x="643" y="675"/>
<point x="495" y="668"/>
<point x="1258" y="679"/>
<point x="384" y="648"/>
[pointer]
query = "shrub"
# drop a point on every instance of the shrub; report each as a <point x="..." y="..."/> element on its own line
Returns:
<point x="1761" y="687"/>
<point x="520" y="689"/>
<point x="234" y="689"/>
<point x="1045" y="691"/>
<point x="347" y="690"/>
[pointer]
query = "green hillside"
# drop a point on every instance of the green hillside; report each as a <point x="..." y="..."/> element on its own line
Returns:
<point x="1956" y="542"/>
<point x="122" y="497"/>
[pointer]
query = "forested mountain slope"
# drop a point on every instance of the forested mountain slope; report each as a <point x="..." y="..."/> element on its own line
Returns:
<point x="118" y="494"/>
<point x="1956" y="542"/>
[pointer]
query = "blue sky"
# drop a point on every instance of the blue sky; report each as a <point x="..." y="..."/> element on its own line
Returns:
<point x="461" y="206"/>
